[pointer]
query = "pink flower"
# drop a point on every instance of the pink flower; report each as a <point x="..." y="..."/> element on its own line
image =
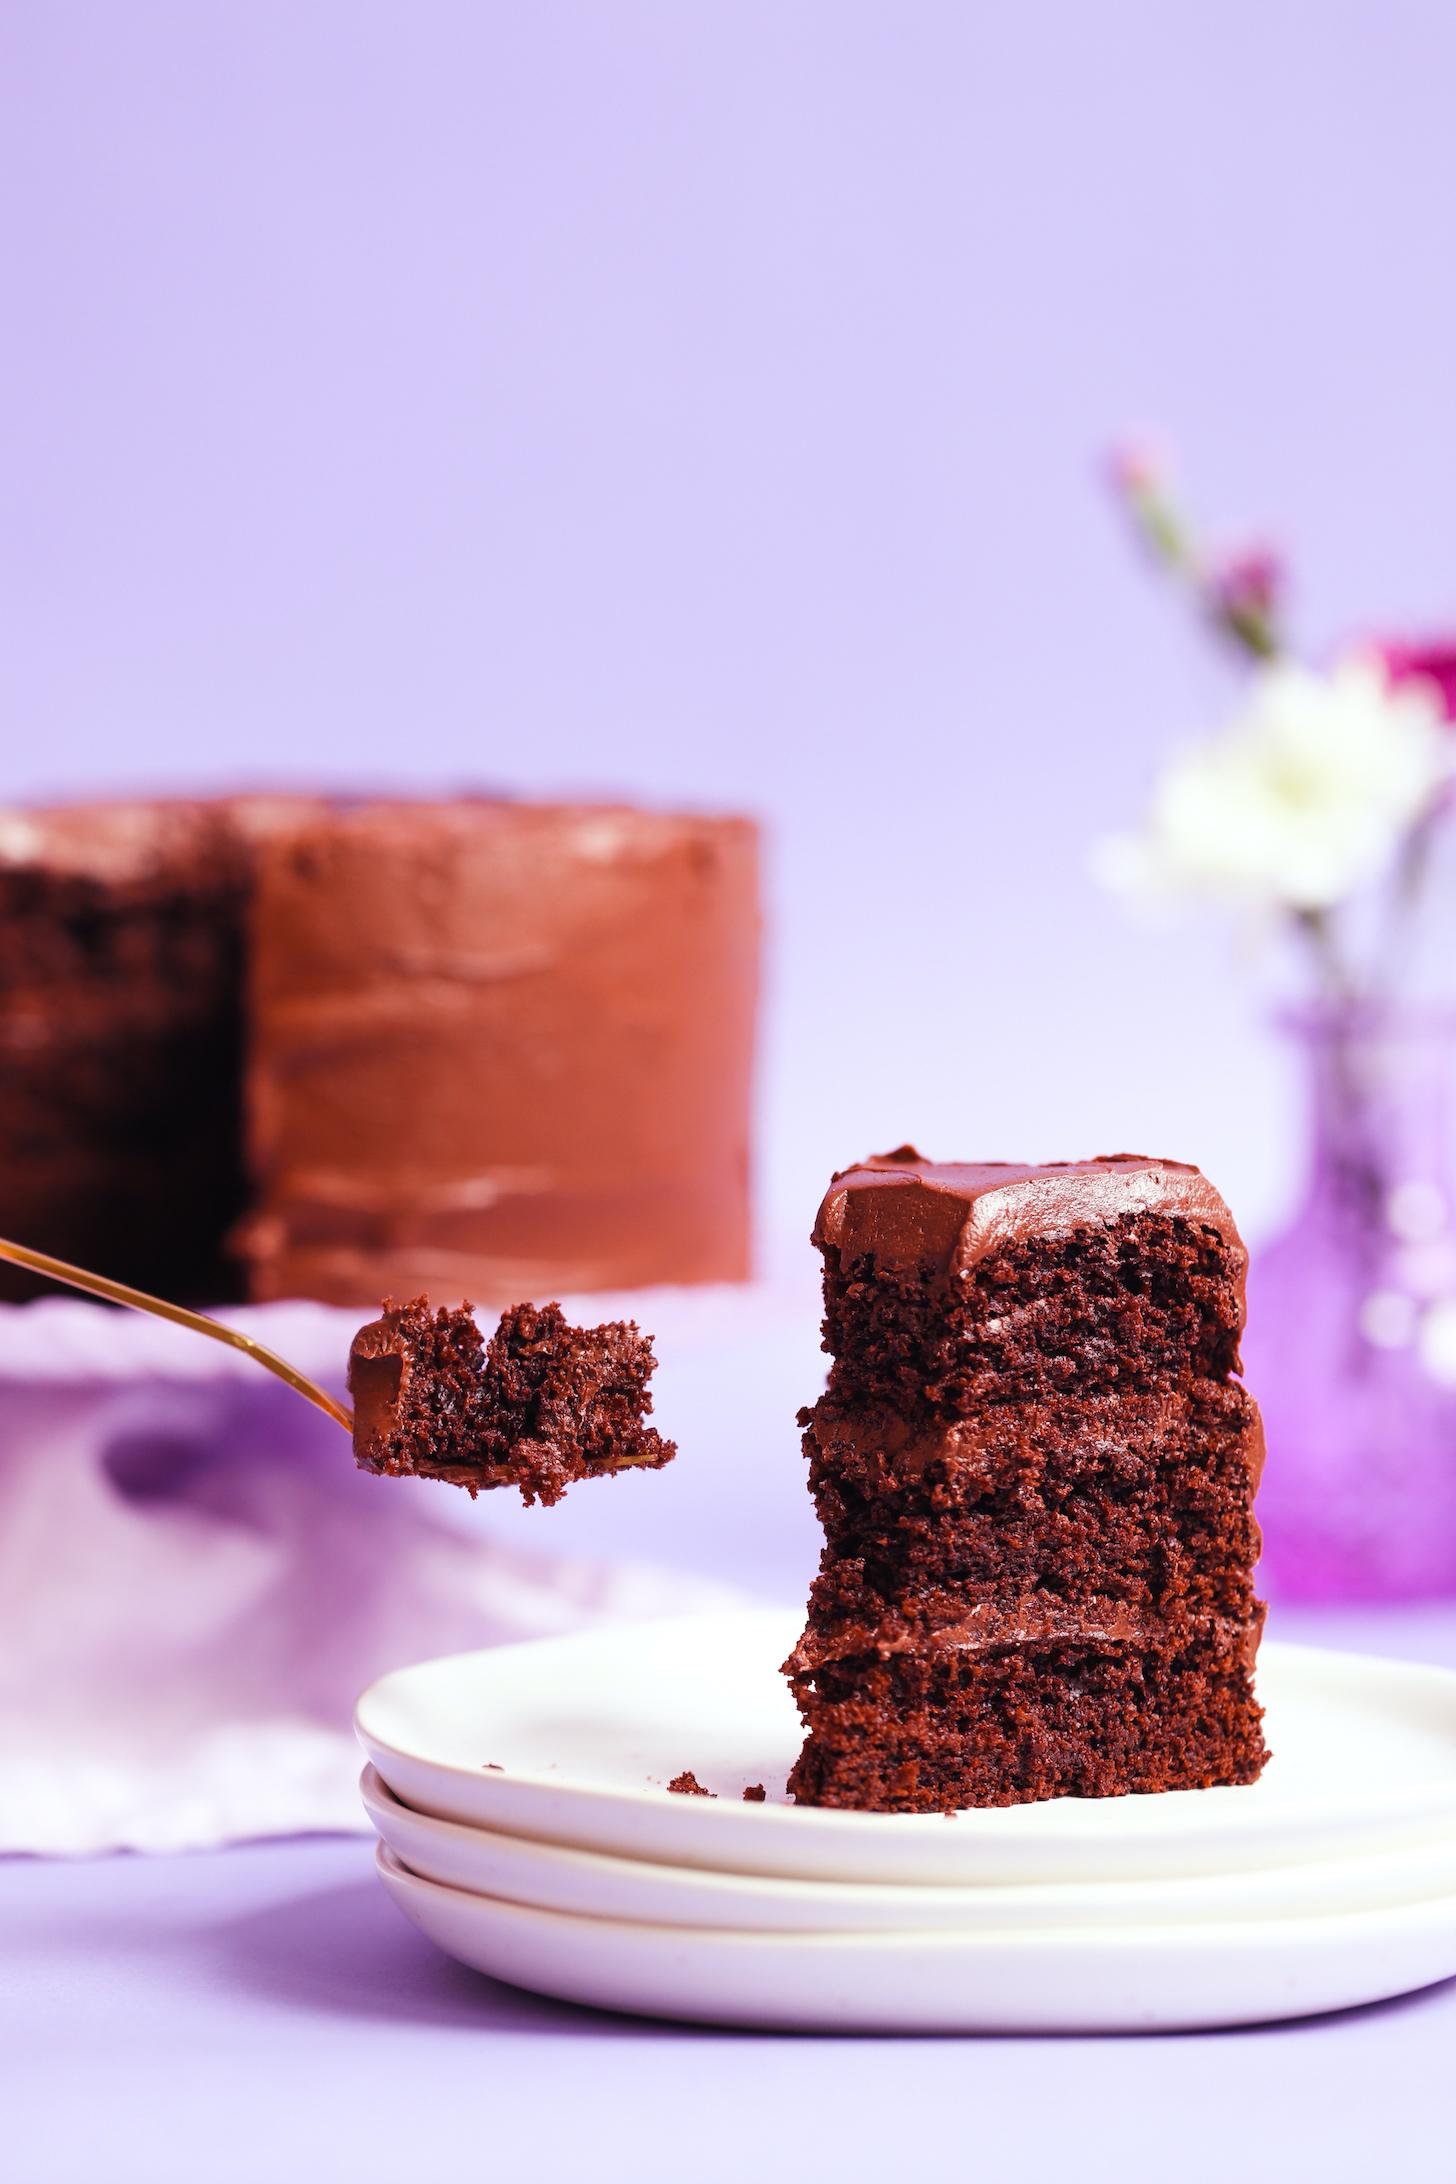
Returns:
<point x="1433" y="662"/>
<point x="1137" y="468"/>
<point x="1247" y="585"/>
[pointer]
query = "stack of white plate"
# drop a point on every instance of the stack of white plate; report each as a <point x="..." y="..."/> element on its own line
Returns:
<point x="526" y="1828"/>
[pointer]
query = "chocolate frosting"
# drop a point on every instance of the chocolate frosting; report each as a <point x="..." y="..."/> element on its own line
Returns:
<point x="128" y="842"/>
<point x="379" y="1365"/>
<point x="980" y="1448"/>
<point x="915" y="1213"/>
<point x="1040" y="1619"/>
<point x="501" y="1051"/>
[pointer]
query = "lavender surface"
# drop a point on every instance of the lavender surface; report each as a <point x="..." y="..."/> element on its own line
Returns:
<point x="142" y="1993"/>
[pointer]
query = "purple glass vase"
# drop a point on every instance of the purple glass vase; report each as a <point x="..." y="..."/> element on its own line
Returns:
<point x="1351" y="1345"/>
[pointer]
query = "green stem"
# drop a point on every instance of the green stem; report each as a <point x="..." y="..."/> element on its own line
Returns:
<point x="1172" y="544"/>
<point x="1318" y="930"/>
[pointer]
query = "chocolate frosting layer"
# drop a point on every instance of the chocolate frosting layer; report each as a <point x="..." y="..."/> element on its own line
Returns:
<point x="898" y="1452"/>
<point x="1039" y="1619"/>
<point x="914" y="1213"/>
<point x="183" y="841"/>
<point x="380" y="1368"/>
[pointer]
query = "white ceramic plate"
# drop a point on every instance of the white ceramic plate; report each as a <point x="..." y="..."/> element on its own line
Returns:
<point x="572" y="1740"/>
<point x="1103" y="1979"/>
<point x="551" y="1877"/>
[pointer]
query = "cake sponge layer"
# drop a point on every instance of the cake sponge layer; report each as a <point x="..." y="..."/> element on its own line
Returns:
<point x="1138" y="1304"/>
<point x="927" y="1732"/>
<point x="1148" y="1498"/>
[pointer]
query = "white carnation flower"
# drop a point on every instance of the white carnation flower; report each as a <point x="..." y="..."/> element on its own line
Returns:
<point x="1302" y="799"/>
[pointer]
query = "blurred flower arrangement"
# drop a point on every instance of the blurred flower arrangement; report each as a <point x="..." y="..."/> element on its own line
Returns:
<point x="1320" y="806"/>
<point x="1326" y="782"/>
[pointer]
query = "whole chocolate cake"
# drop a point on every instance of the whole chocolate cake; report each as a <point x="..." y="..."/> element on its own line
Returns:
<point x="1035" y="1469"/>
<point x="281" y="1047"/>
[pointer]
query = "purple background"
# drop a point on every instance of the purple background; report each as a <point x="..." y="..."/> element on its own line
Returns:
<point x="706" y="402"/>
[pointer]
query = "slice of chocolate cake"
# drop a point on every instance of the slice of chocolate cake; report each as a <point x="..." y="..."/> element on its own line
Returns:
<point x="1035" y="1469"/>
<point x="539" y="1405"/>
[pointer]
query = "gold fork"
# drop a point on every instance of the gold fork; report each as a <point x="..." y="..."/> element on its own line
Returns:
<point x="100" y="1285"/>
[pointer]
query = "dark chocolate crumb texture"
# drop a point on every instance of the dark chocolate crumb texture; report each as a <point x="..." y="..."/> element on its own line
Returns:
<point x="538" y="1406"/>
<point x="687" y="1784"/>
<point x="1035" y="1468"/>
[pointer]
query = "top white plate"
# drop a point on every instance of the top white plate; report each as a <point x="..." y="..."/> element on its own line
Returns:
<point x="573" y="1740"/>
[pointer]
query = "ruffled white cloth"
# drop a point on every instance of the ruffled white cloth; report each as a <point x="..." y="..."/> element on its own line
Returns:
<point x="196" y="1583"/>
